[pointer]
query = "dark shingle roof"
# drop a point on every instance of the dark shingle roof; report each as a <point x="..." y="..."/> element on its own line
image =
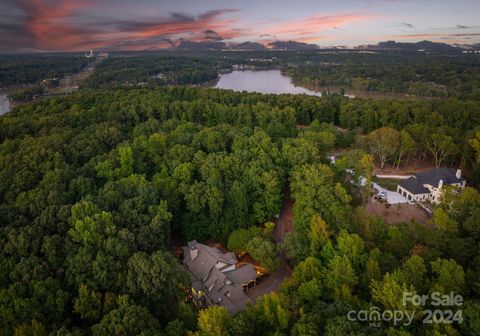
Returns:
<point x="434" y="176"/>
<point x="207" y="257"/>
<point x="243" y="274"/>
<point x="209" y="274"/>
<point x="413" y="185"/>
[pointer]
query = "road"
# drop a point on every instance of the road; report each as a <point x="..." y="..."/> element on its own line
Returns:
<point x="283" y="224"/>
<point x="398" y="177"/>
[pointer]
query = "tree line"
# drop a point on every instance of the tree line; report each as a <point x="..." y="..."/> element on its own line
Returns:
<point x="432" y="75"/>
<point x="154" y="69"/>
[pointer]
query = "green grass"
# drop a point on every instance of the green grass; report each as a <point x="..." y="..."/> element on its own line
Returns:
<point x="387" y="183"/>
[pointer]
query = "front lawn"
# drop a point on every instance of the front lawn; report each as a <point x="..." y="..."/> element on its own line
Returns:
<point x="387" y="183"/>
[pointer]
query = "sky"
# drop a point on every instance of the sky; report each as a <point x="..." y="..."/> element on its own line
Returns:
<point x="79" y="25"/>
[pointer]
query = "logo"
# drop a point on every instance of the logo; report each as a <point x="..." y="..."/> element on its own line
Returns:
<point x="445" y="310"/>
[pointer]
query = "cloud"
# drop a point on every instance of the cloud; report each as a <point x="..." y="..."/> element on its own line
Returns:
<point x="176" y="23"/>
<point x="212" y="35"/>
<point x="312" y="39"/>
<point x="428" y="35"/>
<point x="217" y="12"/>
<point x="458" y="26"/>
<point x="313" y="28"/>
<point x="75" y="25"/>
<point x="47" y="22"/>
<point x="211" y="26"/>
<point x="316" y="23"/>
<point x="452" y="38"/>
<point x="406" y="24"/>
<point x="68" y="25"/>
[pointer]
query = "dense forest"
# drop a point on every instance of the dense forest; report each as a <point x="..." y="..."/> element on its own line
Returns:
<point x="94" y="186"/>
<point x="32" y="69"/>
<point x="436" y="74"/>
<point x="432" y="75"/>
<point x="154" y="69"/>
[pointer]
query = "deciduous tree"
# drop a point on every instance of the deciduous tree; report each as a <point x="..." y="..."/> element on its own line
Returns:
<point x="441" y="147"/>
<point x="407" y="144"/>
<point x="214" y="321"/>
<point x="383" y="144"/>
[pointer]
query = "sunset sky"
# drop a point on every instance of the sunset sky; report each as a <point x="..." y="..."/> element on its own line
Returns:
<point x="77" y="25"/>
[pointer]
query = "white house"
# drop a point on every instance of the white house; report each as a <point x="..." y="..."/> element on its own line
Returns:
<point x="427" y="186"/>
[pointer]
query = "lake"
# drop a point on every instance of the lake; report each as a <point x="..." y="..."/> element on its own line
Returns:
<point x="262" y="81"/>
<point x="273" y="81"/>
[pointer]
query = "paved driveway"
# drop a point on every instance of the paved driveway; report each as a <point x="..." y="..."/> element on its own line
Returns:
<point x="284" y="224"/>
<point x="393" y="197"/>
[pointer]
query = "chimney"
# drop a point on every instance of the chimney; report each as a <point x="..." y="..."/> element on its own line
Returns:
<point x="458" y="175"/>
<point x="192" y="246"/>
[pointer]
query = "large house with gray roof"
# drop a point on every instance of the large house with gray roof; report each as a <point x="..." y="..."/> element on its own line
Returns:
<point x="217" y="277"/>
<point x="427" y="186"/>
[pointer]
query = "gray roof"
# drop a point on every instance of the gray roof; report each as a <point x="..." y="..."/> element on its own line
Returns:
<point x="208" y="268"/>
<point x="197" y="283"/>
<point x="242" y="275"/>
<point x="207" y="257"/>
<point x="415" y="184"/>
<point x="201" y="265"/>
<point x="434" y="176"/>
<point x="228" y="258"/>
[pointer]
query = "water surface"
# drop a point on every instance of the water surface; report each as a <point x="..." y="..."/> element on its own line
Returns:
<point x="262" y="81"/>
<point x="273" y="81"/>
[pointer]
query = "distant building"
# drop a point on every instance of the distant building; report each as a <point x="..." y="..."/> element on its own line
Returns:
<point x="89" y="55"/>
<point x="4" y="104"/>
<point x="427" y="186"/>
<point x="216" y="277"/>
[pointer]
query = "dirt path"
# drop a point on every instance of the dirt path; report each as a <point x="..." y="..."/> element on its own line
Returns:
<point x="408" y="167"/>
<point x="283" y="224"/>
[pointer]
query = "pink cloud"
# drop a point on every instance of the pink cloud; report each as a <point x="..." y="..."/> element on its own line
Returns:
<point x="315" y="24"/>
<point x="46" y="22"/>
<point x="65" y="25"/>
<point x="436" y="37"/>
<point x="53" y="26"/>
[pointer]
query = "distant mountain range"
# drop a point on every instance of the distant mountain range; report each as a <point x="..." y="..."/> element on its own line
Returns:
<point x="249" y="46"/>
<point x="410" y="46"/>
<point x="253" y="46"/>
<point x="201" y="46"/>
<point x="295" y="45"/>
<point x="292" y="45"/>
